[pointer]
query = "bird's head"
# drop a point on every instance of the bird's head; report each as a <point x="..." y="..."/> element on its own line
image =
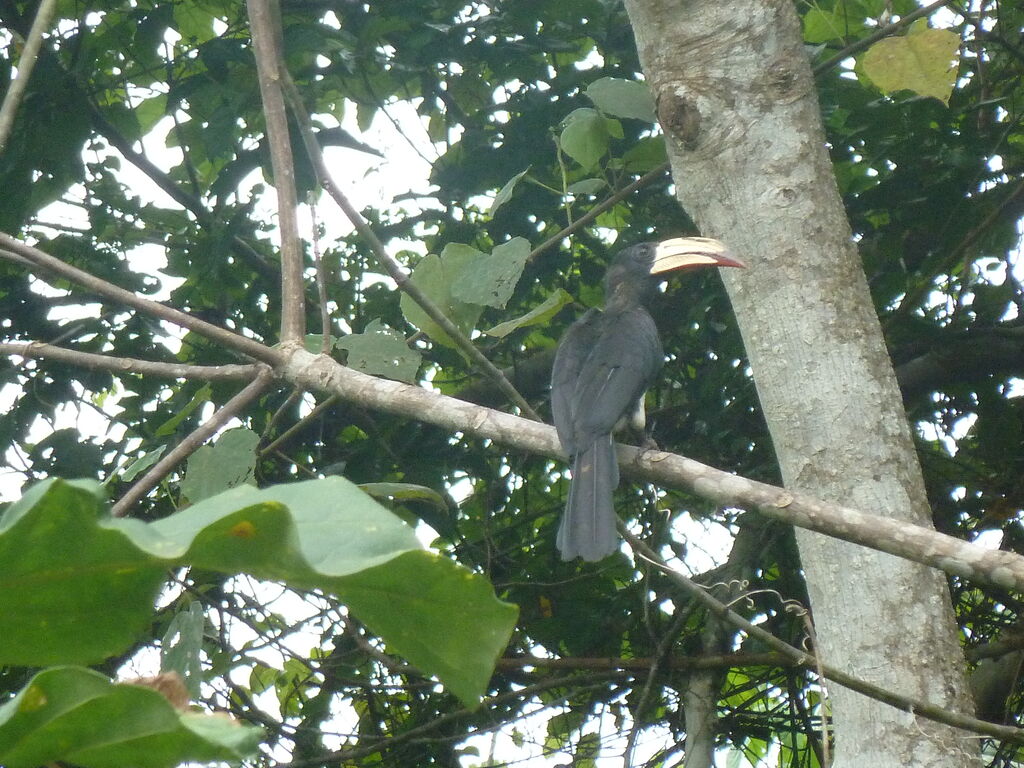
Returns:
<point x="636" y="270"/>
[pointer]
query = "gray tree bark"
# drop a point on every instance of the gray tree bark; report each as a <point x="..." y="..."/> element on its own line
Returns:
<point x="737" y="102"/>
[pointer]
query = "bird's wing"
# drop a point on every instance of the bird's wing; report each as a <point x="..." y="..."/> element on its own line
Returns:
<point x="623" y="360"/>
<point x="572" y="353"/>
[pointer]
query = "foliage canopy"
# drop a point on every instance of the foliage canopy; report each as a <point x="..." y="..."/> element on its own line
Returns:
<point x="531" y="115"/>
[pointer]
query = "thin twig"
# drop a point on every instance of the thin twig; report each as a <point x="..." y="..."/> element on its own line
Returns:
<point x="293" y="397"/>
<point x="41" y="350"/>
<point x="27" y="60"/>
<point x="657" y="662"/>
<point x="301" y="424"/>
<point x="600" y="208"/>
<point x="645" y="663"/>
<point x="230" y="409"/>
<point x="321" y="285"/>
<point x="905" y="703"/>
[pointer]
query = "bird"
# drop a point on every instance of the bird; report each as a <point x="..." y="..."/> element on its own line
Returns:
<point x="604" y="364"/>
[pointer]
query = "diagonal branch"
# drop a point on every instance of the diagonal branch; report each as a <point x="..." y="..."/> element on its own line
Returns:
<point x="172" y="189"/>
<point x="19" y="252"/>
<point x="323" y="374"/>
<point x="231" y="409"/>
<point x="905" y="540"/>
<point x="597" y="210"/>
<point x="906" y="703"/>
<point x="26" y="62"/>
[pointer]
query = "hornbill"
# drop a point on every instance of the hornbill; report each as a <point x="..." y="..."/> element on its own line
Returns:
<point x="604" y="364"/>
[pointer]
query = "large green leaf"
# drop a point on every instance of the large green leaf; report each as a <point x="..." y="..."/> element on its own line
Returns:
<point x="539" y="314"/>
<point x="228" y="462"/>
<point x="622" y="98"/>
<point x="76" y="715"/>
<point x="79" y="587"/>
<point x="585" y="137"/>
<point x="505" y="193"/>
<point x="381" y="351"/>
<point x="490" y="280"/>
<point x="436" y="276"/>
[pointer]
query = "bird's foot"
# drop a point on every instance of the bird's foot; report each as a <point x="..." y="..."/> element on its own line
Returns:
<point x="648" y="444"/>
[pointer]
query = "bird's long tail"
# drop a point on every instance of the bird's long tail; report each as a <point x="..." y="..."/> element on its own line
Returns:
<point x="587" y="529"/>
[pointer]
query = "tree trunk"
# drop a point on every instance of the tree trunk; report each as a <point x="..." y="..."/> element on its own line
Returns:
<point x="737" y="102"/>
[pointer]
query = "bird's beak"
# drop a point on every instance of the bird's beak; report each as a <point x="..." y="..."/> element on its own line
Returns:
<point x="683" y="252"/>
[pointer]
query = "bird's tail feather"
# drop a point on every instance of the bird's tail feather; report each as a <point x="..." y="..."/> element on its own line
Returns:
<point x="587" y="529"/>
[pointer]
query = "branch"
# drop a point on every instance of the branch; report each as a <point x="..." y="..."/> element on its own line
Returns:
<point x="961" y="357"/>
<point x="323" y="374"/>
<point x="40" y="350"/>
<point x="389" y="264"/>
<point x="562" y="689"/>
<point x="301" y="424"/>
<point x="906" y="703"/>
<point x="239" y="247"/>
<point x="26" y="62"/>
<point x="905" y="540"/>
<point x="21" y="252"/>
<point x="913" y="297"/>
<point x="265" y="22"/>
<point x="231" y="409"/>
<point x="703" y="661"/>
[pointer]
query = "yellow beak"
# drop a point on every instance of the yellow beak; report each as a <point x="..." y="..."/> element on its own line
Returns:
<point x="684" y="252"/>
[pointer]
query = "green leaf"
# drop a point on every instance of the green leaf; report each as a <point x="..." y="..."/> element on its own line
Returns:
<point x="141" y="464"/>
<point x="381" y="351"/>
<point x="821" y="25"/>
<point x="734" y="759"/>
<point x="622" y="98"/>
<point x="78" y="716"/>
<point x="405" y="492"/>
<point x="539" y="314"/>
<point x="490" y="280"/>
<point x="365" y="113"/>
<point x="435" y="276"/>
<point x="228" y="462"/>
<point x="646" y="155"/>
<point x="150" y="112"/>
<point x="924" y="61"/>
<point x="585" y="137"/>
<point x="67" y="567"/>
<point x="505" y="193"/>
<point x="182" y="645"/>
<point x="587" y="187"/>
<point x="193" y="22"/>
<point x="200" y="397"/>
<point x="314" y="343"/>
<point x="587" y="751"/>
<point x="64" y="572"/>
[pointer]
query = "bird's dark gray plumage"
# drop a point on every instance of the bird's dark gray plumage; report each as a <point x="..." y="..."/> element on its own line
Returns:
<point x="604" y="364"/>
